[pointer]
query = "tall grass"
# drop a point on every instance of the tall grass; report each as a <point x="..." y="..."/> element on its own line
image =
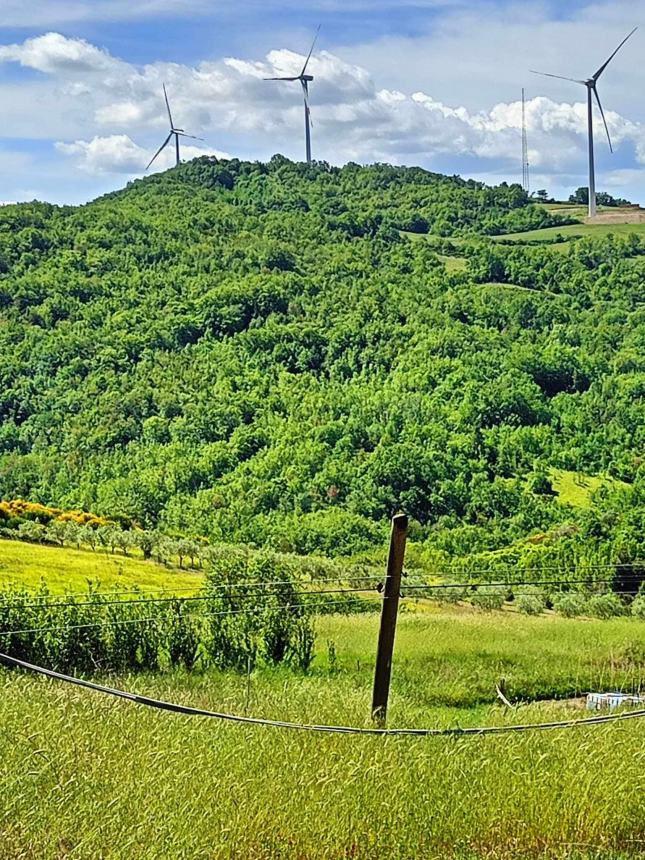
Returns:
<point x="85" y="777"/>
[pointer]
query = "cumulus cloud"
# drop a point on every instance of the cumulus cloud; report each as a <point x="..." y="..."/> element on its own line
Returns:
<point x="108" y="104"/>
<point x="117" y="153"/>
<point x="55" y="54"/>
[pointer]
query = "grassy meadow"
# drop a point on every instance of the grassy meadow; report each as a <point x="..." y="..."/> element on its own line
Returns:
<point x="85" y="776"/>
<point x="568" y="230"/>
<point x="577" y="490"/>
<point x="27" y="565"/>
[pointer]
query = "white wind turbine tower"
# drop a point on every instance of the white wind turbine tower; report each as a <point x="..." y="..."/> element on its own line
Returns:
<point x="526" y="185"/>
<point x="305" y="80"/>
<point x="176" y="132"/>
<point x="592" y="91"/>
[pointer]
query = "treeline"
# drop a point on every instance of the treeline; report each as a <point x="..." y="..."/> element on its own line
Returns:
<point x="255" y="353"/>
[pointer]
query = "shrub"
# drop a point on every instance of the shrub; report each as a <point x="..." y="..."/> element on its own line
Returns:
<point x="488" y="598"/>
<point x="32" y="531"/>
<point x="605" y="606"/>
<point x="453" y="594"/>
<point x="96" y="632"/>
<point x="268" y="620"/>
<point x="638" y="607"/>
<point x="570" y="604"/>
<point x="531" y="603"/>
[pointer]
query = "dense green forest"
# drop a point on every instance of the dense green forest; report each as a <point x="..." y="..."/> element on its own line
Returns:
<point x="267" y="353"/>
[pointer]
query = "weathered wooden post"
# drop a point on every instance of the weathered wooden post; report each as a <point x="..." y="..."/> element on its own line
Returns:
<point x="389" y="610"/>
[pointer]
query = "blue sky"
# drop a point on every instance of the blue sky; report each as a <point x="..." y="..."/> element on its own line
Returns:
<point x="431" y="82"/>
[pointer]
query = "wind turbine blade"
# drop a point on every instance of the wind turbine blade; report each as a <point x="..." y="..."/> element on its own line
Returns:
<point x="607" y="62"/>
<point x="311" y="50"/>
<point x="160" y="150"/>
<point x="281" y="79"/>
<point x="165" y="95"/>
<point x="560" y="77"/>
<point x="191" y="136"/>
<point x="602" y="114"/>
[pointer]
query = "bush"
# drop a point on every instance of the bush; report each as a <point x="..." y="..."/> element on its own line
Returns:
<point x="605" y="606"/>
<point x="638" y="607"/>
<point x="269" y="618"/>
<point x="246" y="622"/>
<point x="570" y="604"/>
<point x="531" y="603"/>
<point x="488" y="598"/>
<point x="453" y="594"/>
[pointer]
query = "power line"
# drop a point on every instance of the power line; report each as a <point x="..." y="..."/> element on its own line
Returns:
<point x="510" y="585"/>
<point x="241" y="587"/>
<point x="309" y="727"/>
<point x="539" y="568"/>
<point x="166" y="618"/>
<point x="201" y="597"/>
<point x="220" y="587"/>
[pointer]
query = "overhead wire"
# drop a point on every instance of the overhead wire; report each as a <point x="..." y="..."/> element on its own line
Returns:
<point x="459" y="731"/>
<point x="175" y="590"/>
<point x="167" y="618"/>
<point x="524" y="582"/>
<point x="175" y="599"/>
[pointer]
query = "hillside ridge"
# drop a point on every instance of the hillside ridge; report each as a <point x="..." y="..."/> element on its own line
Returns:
<point x="262" y="353"/>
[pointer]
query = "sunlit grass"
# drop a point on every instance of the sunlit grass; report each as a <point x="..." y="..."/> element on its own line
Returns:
<point x="83" y="775"/>
<point x="577" y="489"/>
<point x="568" y="230"/>
<point x="28" y="566"/>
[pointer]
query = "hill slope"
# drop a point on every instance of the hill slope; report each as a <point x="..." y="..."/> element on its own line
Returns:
<point x="256" y="352"/>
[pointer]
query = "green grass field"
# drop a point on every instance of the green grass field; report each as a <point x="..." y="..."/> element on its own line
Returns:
<point x="84" y="776"/>
<point x="453" y="264"/>
<point x="577" y="490"/>
<point x="574" y="230"/>
<point x="30" y="566"/>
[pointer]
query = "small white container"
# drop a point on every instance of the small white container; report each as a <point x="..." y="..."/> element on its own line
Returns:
<point x="602" y="701"/>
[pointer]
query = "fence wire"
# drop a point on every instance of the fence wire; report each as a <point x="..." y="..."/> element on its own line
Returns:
<point x="159" y="704"/>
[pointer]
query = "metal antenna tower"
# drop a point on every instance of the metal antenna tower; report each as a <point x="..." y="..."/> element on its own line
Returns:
<point x="526" y="185"/>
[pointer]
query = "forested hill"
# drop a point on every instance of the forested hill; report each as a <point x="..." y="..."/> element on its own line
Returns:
<point x="266" y="353"/>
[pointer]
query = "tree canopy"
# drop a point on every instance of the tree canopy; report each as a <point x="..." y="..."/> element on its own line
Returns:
<point x="272" y="354"/>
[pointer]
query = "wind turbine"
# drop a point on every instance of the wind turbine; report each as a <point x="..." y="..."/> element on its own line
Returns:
<point x="592" y="90"/>
<point x="177" y="132"/>
<point x="305" y="80"/>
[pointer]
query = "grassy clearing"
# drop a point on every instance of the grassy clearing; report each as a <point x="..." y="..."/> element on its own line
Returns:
<point x="30" y="565"/>
<point x="86" y="776"/>
<point x="576" y="230"/>
<point x="453" y="264"/>
<point x="577" y="489"/>
<point x="570" y="209"/>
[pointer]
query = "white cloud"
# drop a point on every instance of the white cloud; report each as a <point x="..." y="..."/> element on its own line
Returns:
<point x="353" y="117"/>
<point x="97" y="105"/>
<point x="119" y="154"/>
<point x="48" y="13"/>
<point x="55" y="54"/>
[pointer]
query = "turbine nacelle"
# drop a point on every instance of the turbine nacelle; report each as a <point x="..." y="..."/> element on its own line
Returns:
<point x="174" y="132"/>
<point x="305" y="80"/>
<point x="592" y="92"/>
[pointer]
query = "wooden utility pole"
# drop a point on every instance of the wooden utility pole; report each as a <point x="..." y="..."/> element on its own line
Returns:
<point x="389" y="610"/>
